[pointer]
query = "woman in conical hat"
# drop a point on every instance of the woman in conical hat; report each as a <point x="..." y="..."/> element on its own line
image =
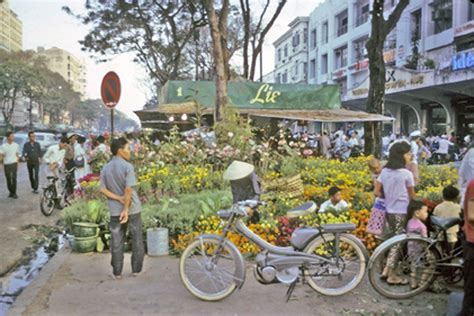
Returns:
<point x="244" y="181"/>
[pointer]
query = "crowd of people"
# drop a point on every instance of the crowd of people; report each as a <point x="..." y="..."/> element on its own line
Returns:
<point x="73" y="152"/>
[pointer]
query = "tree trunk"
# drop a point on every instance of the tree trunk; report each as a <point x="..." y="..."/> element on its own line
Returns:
<point x="218" y="27"/>
<point x="375" y="100"/>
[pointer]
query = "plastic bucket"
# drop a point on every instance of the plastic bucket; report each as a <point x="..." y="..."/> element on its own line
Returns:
<point x="157" y="241"/>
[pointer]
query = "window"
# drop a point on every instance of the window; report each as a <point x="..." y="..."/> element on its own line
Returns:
<point x="391" y="40"/>
<point x="313" y="39"/>
<point x="312" y="68"/>
<point x="296" y="39"/>
<point x="325" y="32"/>
<point x="286" y="51"/>
<point x="285" y="77"/>
<point x="324" y="64"/>
<point x="415" y="26"/>
<point x="340" y="57"/>
<point x="305" y="36"/>
<point x="341" y="23"/>
<point x="360" y="52"/>
<point x="279" y="54"/>
<point x="296" y="67"/>
<point x="278" y="78"/>
<point x="362" y="14"/>
<point x="470" y="11"/>
<point x="442" y="15"/>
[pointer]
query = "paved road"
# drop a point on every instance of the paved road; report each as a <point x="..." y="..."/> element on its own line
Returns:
<point x="15" y="215"/>
<point x="80" y="284"/>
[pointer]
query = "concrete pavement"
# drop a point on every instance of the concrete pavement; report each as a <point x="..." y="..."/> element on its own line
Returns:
<point x="80" y="284"/>
<point x="15" y="216"/>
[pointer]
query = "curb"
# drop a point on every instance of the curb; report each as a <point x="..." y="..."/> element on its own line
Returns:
<point x="29" y="294"/>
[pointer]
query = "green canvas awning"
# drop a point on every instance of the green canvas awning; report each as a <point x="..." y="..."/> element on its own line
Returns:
<point x="252" y="95"/>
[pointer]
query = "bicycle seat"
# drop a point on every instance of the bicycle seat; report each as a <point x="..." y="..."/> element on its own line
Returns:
<point x="445" y="222"/>
<point x="302" y="210"/>
<point x="338" y="228"/>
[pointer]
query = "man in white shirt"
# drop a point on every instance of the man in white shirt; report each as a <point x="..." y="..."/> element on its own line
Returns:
<point x="353" y="141"/>
<point x="443" y="149"/>
<point x="335" y="202"/>
<point x="10" y="153"/>
<point x="54" y="157"/>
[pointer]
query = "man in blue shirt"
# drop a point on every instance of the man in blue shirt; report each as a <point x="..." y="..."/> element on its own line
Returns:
<point x="117" y="182"/>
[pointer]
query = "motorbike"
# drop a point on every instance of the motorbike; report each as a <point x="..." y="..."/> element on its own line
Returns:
<point x="328" y="258"/>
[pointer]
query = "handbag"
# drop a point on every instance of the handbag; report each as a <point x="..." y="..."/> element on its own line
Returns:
<point x="79" y="162"/>
<point x="377" y="218"/>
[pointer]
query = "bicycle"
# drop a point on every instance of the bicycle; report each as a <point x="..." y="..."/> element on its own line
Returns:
<point x="328" y="258"/>
<point x="433" y="258"/>
<point x="50" y="199"/>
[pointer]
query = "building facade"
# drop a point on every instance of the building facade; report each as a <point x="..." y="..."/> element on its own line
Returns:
<point x="291" y="53"/>
<point x="67" y="65"/>
<point x="429" y="57"/>
<point x="11" y="29"/>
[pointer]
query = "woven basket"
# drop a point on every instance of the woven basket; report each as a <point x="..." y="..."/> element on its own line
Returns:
<point x="290" y="186"/>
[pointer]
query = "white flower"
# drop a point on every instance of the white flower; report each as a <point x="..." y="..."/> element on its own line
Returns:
<point x="230" y="134"/>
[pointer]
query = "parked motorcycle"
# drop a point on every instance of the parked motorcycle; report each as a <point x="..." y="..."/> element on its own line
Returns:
<point x="328" y="258"/>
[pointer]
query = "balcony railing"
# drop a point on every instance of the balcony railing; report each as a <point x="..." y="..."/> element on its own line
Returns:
<point x="342" y="30"/>
<point x="361" y="19"/>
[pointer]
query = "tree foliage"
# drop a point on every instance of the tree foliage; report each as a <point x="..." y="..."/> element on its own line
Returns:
<point x="255" y="31"/>
<point x="156" y="32"/>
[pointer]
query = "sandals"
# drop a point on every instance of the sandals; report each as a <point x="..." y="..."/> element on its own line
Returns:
<point x="400" y="281"/>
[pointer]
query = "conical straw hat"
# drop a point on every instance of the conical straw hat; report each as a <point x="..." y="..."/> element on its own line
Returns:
<point x="238" y="170"/>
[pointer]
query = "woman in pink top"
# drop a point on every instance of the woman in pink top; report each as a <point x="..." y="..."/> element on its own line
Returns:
<point x="397" y="185"/>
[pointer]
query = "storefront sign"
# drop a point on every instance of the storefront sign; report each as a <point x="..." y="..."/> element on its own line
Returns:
<point x="464" y="29"/>
<point x="254" y="95"/>
<point x="463" y="61"/>
<point x="388" y="57"/>
<point x="396" y="80"/>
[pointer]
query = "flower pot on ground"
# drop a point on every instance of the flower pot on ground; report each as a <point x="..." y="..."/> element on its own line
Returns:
<point x="80" y="229"/>
<point x="84" y="244"/>
<point x="157" y="240"/>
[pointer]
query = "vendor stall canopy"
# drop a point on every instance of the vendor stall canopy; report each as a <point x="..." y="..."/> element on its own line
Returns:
<point x="285" y="101"/>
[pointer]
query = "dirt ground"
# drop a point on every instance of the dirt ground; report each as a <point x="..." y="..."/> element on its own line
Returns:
<point x="17" y="235"/>
<point x="80" y="284"/>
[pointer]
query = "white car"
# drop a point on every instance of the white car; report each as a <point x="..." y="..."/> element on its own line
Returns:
<point x="45" y="140"/>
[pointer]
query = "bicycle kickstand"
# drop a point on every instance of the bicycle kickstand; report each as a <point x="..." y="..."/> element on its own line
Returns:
<point x="290" y="290"/>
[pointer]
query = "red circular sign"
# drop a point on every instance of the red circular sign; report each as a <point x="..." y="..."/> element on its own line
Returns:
<point x="110" y="89"/>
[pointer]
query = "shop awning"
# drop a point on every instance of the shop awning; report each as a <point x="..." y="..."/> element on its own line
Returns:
<point x="324" y="116"/>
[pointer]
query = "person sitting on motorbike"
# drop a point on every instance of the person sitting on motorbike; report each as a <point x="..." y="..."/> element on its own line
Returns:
<point x="335" y="202"/>
<point x="244" y="182"/>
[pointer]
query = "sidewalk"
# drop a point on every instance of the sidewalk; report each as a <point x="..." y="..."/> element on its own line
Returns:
<point x="80" y="284"/>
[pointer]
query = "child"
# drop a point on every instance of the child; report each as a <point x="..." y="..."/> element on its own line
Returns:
<point x="375" y="168"/>
<point x="335" y="202"/>
<point x="417" y="213"/>
<point x="450" y="208"/>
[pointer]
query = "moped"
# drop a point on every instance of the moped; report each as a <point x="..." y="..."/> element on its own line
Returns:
<point x="330" y="259"/>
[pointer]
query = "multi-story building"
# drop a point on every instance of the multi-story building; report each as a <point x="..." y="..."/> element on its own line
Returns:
<point x="291" y="53"/>
<point x="429" y="57"/>
<point x="11" y="36"/>
<point x="67" y="65"/>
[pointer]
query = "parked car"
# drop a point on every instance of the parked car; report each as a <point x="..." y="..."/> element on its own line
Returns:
<point x="45" y="140"/>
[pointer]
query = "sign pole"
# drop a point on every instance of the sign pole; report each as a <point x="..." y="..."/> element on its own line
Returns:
<point x="112" y="123"/>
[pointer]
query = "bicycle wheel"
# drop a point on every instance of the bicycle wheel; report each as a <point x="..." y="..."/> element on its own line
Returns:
<point x="416" y="263"/>
<point x="47" y="202"/>
<point x="205" y="275"/>
<point x="346" y="268"/>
